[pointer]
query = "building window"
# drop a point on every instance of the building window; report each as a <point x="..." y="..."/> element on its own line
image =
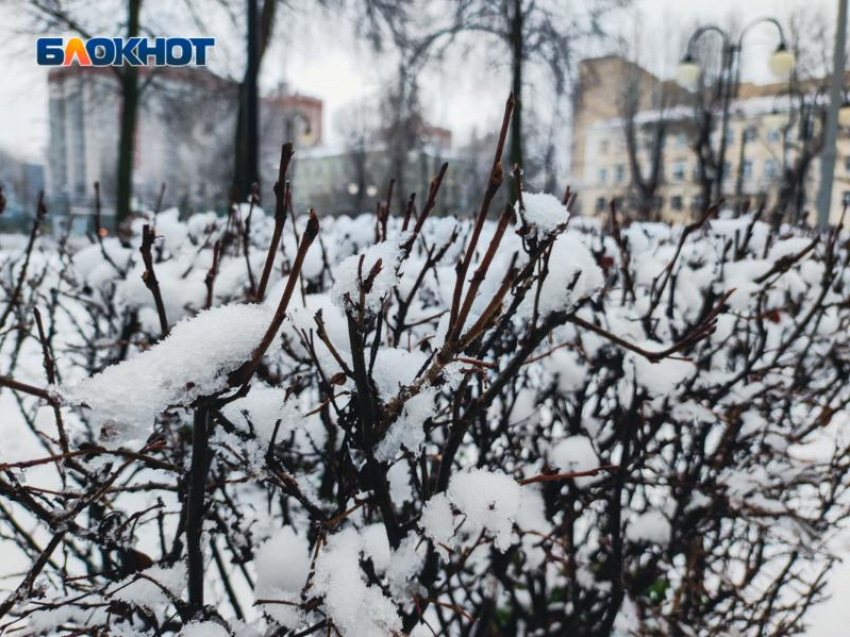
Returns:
<point x="747" y="170"/>
<point x="847" y="164"/>
<point x="750" y="134"/>
<point x="845" y="198"/>
<point x="679" y="170"/>
<point x="696" y="203"/>
<point x="600" y="204"/>
<point x="603" y="175"/>
<point x="773" y="136"/>
<point x="727" y="170"/>
<point x="619" y="174"/>
<point x="603" y="146"/>
<point x="676" y="202"/>
<point x="682" y="140"/>
<point x="771" y="169"/>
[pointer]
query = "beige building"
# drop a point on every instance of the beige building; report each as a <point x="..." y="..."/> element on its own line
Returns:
<point x="765" y="136"/>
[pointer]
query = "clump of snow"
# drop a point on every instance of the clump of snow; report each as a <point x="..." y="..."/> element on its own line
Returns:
<point x="204" y="629"/>
<point x="283" y="565"/>
<point x="396" y="367"/>
<point x="660" y="378"/>
<point x="573" y="275"/>
<point x="573" y="454"/>
<point x="357" y="608"/>
<point x="404" y="566"/>
<point x="651" y="527"/>
<point x="544" y="214"/>
<point x="571" y="374"/>
<point x="408" y="430"/>
<point x="484" y="500"/>
<point x="91" y="266"/>
<point x="263" y="408"/>
<point x="150" y="590"/>
<point x="526" y="408"/>
<point x="350" y="274"/>
<point x="193" y="361"/>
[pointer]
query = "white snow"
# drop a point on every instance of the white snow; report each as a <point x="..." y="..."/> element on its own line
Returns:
<point x="283" y="565"/>
<point x="573" y="454"/>
<point x="192" y="361"/>
<point x="650" y="527"/>
<point x="543" y="213"/>
<point x="357" y="608"/>
<point x="350" y="274"/>
<point x="486" y="501"/>
<point x="573" y="275"/>
<point x="139" y="589"/>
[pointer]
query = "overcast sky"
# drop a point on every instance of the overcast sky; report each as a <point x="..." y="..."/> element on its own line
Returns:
<point x="322" y="60"/>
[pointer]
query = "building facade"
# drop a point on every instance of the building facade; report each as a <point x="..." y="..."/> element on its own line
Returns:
<point x="184" y="137"/>
<point x="767" y="135"/>
<point x="354" y="179"/>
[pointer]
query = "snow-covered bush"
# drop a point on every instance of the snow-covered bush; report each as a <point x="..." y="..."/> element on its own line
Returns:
<point x="412" y="424"/>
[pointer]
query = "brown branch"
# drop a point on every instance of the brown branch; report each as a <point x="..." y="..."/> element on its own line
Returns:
<point x="286" y="153"/>
<point x="40" y="213"/>
<point x="656" y="293"/>
<point x="253" y="199"/>
<point x="429" y="206"/>
<point x="244" y="373"/>
<point x="50" y="370"/>
<point x="696" y="334"/>
<point x="495" y="181"/>
<point x="209" y="280"/>
<point x="785" y="263"/>
<point x="553" y="477"/>
<point x="25" y="587"/>
<point x="479" y="276"/>
<point x="149" y="277"/>
<point x="15" y="385"/>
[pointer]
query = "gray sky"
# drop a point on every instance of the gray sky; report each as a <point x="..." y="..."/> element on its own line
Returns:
<point x="322" y="60"/>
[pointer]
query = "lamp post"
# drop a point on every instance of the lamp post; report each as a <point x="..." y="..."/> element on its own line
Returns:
<point x="827" y="162"/>
<point x="781" y="63"/>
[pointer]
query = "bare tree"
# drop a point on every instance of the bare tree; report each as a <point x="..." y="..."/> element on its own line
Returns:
<point x="528" y="31"/>
<point x="802" y="105"/>
<point x="380" y="22"/>
<point x="644" y="104"/>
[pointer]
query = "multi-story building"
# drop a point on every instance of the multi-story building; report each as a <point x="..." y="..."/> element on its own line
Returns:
<point x="353" y="179"/>
<point x="184" y="137"/>
<point x="763" y="137"/>
<point x="21" y="182"/>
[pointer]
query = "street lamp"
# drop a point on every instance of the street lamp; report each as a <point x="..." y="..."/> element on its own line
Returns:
<point x="781" y="63"/>
<point x="688" y="72"/>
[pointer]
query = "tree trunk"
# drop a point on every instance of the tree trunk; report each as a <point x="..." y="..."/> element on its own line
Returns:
<point x="129" y="113"/>
<point x="246" y="147"/>
<point x="517" y="54"/>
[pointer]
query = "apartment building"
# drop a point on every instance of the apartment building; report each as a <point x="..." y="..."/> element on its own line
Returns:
<point x="185" y="136"/>
<point x="763" y="137"/>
